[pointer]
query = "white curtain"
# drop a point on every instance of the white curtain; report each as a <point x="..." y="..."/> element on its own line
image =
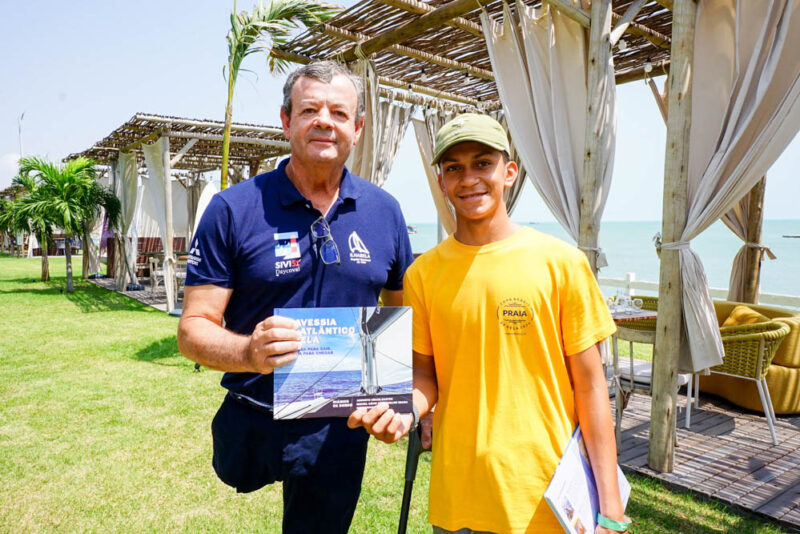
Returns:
<point x="206" y="195"/>
<point x="745" y="111"/>
<point x="541" y="72"/>
<point x="385" y="123"/>
<point x="32" y="244"/>
<point x="93" y="245"/>
<point x="148" y="214"/>
<point x="193" y="191"/>
<point x="156" y="157"/>
<point x="424" y="131"/>
<point x="125" y="187"/>
<point x="738" y="220"/>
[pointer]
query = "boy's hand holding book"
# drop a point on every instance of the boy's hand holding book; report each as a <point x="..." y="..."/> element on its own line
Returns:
<point x="382" y="422"/>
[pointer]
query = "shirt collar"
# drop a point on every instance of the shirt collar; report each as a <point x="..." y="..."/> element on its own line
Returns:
<point x="350" y="187"/>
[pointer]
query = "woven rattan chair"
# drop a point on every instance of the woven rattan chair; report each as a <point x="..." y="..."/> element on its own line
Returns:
<point x="749" y="350"/>
<point x="634" y="376"/>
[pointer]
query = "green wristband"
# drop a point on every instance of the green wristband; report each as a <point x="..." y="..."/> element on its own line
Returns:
<point x="616" y="526"/>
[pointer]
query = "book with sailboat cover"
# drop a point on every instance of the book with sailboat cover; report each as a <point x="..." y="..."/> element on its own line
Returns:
<point x="349" y="358"/>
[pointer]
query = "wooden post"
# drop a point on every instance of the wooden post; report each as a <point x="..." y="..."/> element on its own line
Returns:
<point x="676" y="169"/>
<point x="253" y="167"/>
<point x="754" y="219"/>
<point x="597" y="79"/>
<point x="169" y="280"/>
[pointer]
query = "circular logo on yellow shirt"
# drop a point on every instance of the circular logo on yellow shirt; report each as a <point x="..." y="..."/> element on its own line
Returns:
<point x="515" y="315"/>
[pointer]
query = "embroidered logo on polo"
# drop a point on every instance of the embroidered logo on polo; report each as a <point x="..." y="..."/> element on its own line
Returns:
<point x="288" y="250"/>
<point x="358" y="250"/>
<point x="515" y="314"/>
<point x="194" y="255"/>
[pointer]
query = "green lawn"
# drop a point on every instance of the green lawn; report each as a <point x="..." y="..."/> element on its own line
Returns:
<point x="104" y="427"/>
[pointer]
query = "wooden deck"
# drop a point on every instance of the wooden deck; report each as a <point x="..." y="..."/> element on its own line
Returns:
<point x="727" y="454"/>
<point x="157" y="299"/>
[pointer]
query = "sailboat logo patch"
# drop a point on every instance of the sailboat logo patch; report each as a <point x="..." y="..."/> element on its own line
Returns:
<point x="358" y="250"/>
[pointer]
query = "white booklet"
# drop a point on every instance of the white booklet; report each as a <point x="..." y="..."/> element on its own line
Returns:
<point x="349" y="358"/>
<point x="572" y="492"/>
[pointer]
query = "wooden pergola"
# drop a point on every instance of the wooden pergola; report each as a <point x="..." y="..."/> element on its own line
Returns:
<point x="184" y="146"/>
<point x="196" y="144"/>
<point x="434" y="51"/>
<point x="437" y="48"/>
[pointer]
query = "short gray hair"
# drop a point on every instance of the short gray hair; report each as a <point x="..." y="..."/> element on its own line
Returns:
<point x="323" y="71"/>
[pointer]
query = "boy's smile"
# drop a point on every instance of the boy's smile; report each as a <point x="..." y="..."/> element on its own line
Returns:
<point x="474" y="177"/>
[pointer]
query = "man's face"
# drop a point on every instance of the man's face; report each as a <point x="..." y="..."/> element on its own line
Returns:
<point x="322" y="127"/>
<point x="474" y="176"/>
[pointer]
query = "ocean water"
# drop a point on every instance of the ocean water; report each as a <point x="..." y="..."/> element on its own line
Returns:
<point x="297" y="387"/>
<point x="629" y="249"/>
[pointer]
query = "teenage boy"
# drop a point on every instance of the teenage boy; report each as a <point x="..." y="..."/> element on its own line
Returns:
<point x="507" y="323"/>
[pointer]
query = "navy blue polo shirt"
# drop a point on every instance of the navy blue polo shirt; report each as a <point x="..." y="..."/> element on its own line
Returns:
<point x="254" y="238"/>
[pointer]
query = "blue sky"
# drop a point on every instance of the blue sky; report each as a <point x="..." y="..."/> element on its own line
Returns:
<point x="80" y="69"/>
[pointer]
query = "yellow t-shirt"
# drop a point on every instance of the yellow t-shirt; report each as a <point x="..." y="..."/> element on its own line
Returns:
<point x="499" y="320"/>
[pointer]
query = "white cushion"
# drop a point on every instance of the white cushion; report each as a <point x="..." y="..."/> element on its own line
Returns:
<point x="642" y="371"/>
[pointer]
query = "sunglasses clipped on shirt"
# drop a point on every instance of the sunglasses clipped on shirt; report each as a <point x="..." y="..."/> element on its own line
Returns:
<point x="327" y="250"/>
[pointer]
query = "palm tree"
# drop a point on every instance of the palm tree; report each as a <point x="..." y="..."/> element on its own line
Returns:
<point x="31" y="220"/>
<point x="9" y="221"/>
<point x="266" y="26"/>
<point x="61" y="197"/>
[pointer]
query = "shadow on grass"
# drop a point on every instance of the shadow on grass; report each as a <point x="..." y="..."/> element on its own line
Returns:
<point x="158" y="350"/>
<point x="89" y="297"/>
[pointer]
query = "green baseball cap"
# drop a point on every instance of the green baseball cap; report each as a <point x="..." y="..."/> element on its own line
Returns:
<point x="470" y="127"/>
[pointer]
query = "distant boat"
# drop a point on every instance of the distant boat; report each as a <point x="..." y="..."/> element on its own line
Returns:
<point x="792" y="236"/>
<point x="411" y="229"/>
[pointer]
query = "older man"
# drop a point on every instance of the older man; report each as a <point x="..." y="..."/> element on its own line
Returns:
<point x="286" y="239"/>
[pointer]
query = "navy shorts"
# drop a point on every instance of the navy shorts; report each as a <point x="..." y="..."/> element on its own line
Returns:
<point x="320" y="461"/>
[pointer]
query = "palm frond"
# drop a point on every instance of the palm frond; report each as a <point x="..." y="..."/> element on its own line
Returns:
<point x="269" y="22"/>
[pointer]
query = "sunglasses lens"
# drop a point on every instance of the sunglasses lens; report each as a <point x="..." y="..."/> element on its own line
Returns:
<point x="319" y="229"/>
<point x="329" y="252"/>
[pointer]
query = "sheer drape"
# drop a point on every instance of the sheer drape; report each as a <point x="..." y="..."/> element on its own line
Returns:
<point x="156" y="157"/>
<point x="745" y="111"/>
<point x="739" y="221"/>
<point x="541" y="71"/>
<point x="126" y="185"/>
<point x="385" y="123"/>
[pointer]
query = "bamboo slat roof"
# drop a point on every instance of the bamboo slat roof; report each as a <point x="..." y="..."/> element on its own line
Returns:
<point x="249" y="142"/>
<point x="451" y="57"/>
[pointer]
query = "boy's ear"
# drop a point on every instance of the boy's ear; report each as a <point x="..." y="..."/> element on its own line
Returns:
<point x="441" y="183"/>
<point x="512" y="171"/>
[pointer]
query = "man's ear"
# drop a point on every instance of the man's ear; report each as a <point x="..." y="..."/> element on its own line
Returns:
<point x="285" y="121"/>
<point x="359" y="129"/>
<point x="441" y="183"/>
<point x="512" y="171"/>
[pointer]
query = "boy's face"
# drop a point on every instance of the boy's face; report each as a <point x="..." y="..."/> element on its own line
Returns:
<point x="473" y="177"/>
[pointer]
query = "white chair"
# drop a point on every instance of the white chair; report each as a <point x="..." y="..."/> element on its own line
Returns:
<point x="156" y="272"/>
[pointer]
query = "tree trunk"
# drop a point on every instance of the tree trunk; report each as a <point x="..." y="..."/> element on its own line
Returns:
<point x="226" y="132"/>
<point x="45" y="259"/>
<point x="754" y="255"/>
<point x="85" y="267"/>
<point x="68" y="256"/>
